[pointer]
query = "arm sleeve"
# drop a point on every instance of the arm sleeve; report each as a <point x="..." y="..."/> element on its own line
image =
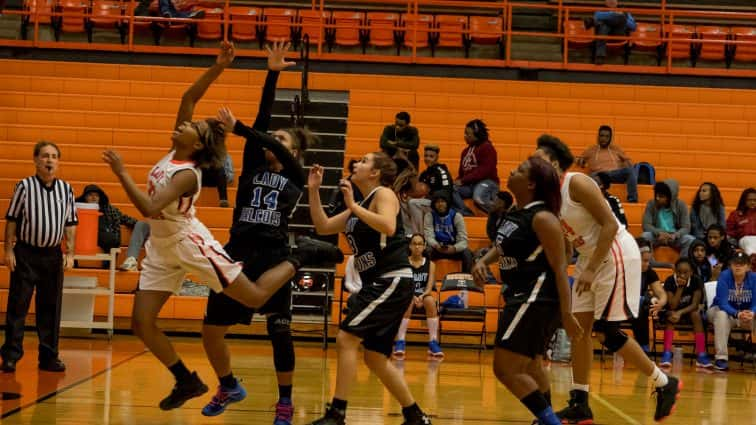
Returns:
<point x="486" y="165"/>
<point x="72" y="219"/>
<point x="17" y="203"/>
<point x="460" y="244"/>
<point x="430" y="234"/>
<point x="265" y="110"/>
<point x="723" y="299"/>
<point x="254" y="156"/>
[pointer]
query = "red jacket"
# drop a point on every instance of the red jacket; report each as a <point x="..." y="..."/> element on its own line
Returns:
<point x="739" y="224"/>
<point x="478" y="162"/>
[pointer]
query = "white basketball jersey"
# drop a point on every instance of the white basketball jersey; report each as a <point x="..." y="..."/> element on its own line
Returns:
<point x="179" y="214"/>
<point x="578" y="224"/>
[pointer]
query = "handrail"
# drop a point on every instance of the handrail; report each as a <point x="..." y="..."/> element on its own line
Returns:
<point x="664" y="15"/>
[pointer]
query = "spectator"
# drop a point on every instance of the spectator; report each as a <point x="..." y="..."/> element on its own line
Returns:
<point x="605" y="182"/>
<point x="168" y="10"/>
<point x="220" y="177"/>
<point x="42" y="209"/>
<point x="335" y="203"/>
<point x="445" y="232"/>
<point x="718" y="249"/>
<point x="608" y="157"/>
<point x="653" y="296"/>
<point x="741" y="224"/>
<point x="424" y="278"/>
<point x="437" y="177"/>
<point x="703" y="267"/>
<point x="109" y="226"/>
<point x="734" y="305"/>
<point x="503" y="203"/>
<point x="609" y="22"/>
<point x="666" y="221"/>
<point x="478" y="176"/>
<point x="401" y="139"/>
<point x="707" y="209"/>
<point x="684" y="297"/>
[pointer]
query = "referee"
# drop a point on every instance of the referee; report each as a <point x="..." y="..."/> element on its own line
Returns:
<point x="41" y="211"/>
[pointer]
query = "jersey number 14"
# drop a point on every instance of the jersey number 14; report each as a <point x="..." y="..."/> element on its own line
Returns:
<point x="270" y="199"/>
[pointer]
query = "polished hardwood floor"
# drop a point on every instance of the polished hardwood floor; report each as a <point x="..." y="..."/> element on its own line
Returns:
<point x="120" y="383"/>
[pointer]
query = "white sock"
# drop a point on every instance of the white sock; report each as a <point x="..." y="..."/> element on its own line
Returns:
<point x="433" y="328"/>
<point x="402" y="335"/>
<point x="580" y="387"/>
<point x="659" y="378"/>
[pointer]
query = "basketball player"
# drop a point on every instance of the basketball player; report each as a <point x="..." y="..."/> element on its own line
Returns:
<point x="607" y="285"/>
<point x="270" y="184"/>
<point x="179" y="243"/>
<point x="374" y="230"/>
<point x="531" y="256"/>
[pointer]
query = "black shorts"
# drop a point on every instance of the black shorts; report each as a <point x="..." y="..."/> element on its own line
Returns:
<point x="375" y="313"/>
<point x="527" y="328"/>
<point x="223" y="310"/>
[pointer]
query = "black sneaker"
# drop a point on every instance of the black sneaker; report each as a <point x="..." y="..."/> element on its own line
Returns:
<point x="332" y="416"/>
<point x="418" y="420"/>
<point x="666" y="397"/>
<point x="184" y="391"/>
<point x="576" y="412"/>
<point x="313" y="252"/>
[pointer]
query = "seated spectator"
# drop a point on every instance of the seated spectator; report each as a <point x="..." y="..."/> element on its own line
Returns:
<point x="167" y="9"/>
<point x="741" y="224"/>
<point x="220" y="178"/>
<point x="610" y="22"/>
<point x="401" y="139"/>
<point x="503" y="203"/>
<point x="478" y="176"/>
<point x="605" y="182"/>
<point x="606" y="156"/>
<point x="404" y="186"/>
<point x="109" y="226"/>
<point x="685" y="293"/>
<point x="424" y="276"/>
<point x="653" y="297"/>
<point x="437" y="177"/>
<point x="704" y="267"/>
<point x="666" y="221"/>
<point x="718" y="249"/>
<point x="445" y="232"/>
<point x="734" y="305"/>
<point x="707" y="209"/>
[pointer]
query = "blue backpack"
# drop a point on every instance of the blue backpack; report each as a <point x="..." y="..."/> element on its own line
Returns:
<point x="646" y="173"/>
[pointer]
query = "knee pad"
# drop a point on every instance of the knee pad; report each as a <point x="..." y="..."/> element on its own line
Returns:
<point x="279" y="331"/>
<point x="614" y="337"/>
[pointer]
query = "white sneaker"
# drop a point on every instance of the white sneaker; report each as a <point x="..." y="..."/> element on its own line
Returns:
<point x="129" y="265"/>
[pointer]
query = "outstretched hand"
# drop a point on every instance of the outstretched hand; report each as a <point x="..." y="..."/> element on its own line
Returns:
<point x="227" y="118"/>
<point x="226" y="55"/>
<point x="113" y="159"/>
<point x="315" y="179"/>
<point x="277" y="56"/>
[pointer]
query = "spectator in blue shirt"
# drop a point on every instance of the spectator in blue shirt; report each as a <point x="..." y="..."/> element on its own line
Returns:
<point x="734" y="304"/>
<point x="610" y="22"/>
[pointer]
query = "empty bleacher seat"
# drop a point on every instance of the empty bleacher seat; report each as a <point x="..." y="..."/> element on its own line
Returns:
<point x="487" y="30"/>
<point x="451" y="31"/>
<point x="744" y="52"/>
<point x="244" y="22"/>
<point x="278" y="23"/>
<point x="417" y="30"/>
<point x="682" y="43"/>
<point x="211" y="30"/>
<point x="647" y="37"/>
<point x="72" y="18"/>
<point x="383" y="29"/>
<point x="314" y="24"/>
<point x="713" y="51"/>
<point x="347" y="31"/>
<point x="107" y="14"/>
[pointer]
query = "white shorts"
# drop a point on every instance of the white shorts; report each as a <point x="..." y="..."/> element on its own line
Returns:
<point x="169" y="261"/>
<point x="615" y="292"/>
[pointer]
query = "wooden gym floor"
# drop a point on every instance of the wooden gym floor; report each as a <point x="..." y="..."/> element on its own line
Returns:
<point x="120" y="383"/>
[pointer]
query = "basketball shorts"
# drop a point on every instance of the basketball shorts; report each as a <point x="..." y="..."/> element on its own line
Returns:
<point x="197" y="253"/>
<point x="615" y="292"/>
<point x="375" y="313"/>
<point x="527" y="328"/>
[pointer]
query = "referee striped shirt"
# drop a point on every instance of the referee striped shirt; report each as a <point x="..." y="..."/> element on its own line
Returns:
<point x="42" y="212"/>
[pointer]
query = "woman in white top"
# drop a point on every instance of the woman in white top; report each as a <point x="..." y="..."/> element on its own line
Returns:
<point x="607" y="284"/>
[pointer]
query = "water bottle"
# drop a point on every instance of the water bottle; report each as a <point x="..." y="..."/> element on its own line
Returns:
<point x="677" y="358"/>
<point x="619" y="364"/>
<point x="463" y="296"/>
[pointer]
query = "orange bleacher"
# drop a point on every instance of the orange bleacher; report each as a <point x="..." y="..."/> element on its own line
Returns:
<point x="87" y="107"/>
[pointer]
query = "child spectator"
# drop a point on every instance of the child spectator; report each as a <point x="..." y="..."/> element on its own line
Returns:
<point x="424" y="277"/>
<point x="666" y="221"/>
<point x="702" y="265"/>
<point x="734" y="305"/>
<point x="707" y="209"/>
<point x="503" y="203"/>
<point x="718" y="249"/>
<point x="653" y="296"/>
<point x="445" y="232"/>
<point x="478" y="176"/>
<point x="684" y="297"/>
<point x="605" y="182"/>
<point x="109" y="226"/>
<point x="437" y="177"/>
<point x="741" y="224"/>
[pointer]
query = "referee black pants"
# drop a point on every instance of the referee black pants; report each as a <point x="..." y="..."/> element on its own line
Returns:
<point x="40" y="268"/>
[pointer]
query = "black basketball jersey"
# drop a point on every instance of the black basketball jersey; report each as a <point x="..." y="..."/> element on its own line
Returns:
<point x="420" y="276"/>
<point x="376" y="253"/>
<point x="264" y="202"/>
<point x="524" y="268"/>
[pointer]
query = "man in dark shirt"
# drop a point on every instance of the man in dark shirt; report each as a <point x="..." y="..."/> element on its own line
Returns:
<point x="605" y="182"/>
<point x="401" y="139"/>
<point x="438" y="178"/>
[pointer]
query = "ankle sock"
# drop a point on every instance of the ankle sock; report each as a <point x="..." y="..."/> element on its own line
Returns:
<point x="339" y="404"/>
<point x="412" y="411"/>
<point x="659" y="378"/>
<point x="228" y="381"/>
<point x="700" y="344"/>
<point x="668" y="336"/>
<point x="284" y="391"/>
<point x="180" y="372"/>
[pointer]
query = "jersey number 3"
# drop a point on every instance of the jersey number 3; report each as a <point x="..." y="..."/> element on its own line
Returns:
<point x="270" y="199"/>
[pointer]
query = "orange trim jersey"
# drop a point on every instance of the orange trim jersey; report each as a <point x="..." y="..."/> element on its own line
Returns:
<point x="179" y="215"/>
